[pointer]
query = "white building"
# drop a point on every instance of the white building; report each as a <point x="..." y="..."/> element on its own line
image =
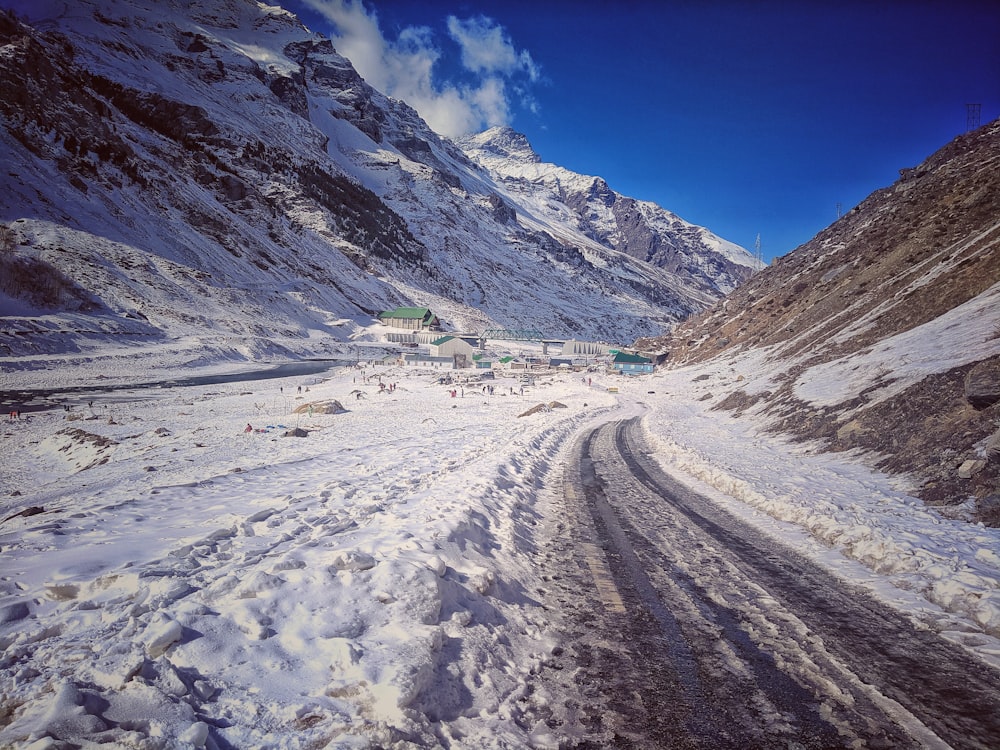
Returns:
<point x="450" y="346"/>
<point x="585" y="349"/>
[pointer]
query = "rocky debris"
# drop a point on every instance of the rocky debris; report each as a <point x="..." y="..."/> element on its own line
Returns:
<point x="503" y="212"/>
<point x="739" y="401"/>
<point x="543" y="407"/>
<point x="982" y="384"/>
<point x="970" y="468"/>
<point x="32" y="510"/>
<point x="988" y="510"/>
<point x="533" y="410"/>
<point x="320" y="407"/>
<point x="80" y="449"/>
<point x="992" y="449"/>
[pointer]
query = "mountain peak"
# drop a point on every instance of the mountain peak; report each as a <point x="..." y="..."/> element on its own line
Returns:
<point x="501" y="141"/>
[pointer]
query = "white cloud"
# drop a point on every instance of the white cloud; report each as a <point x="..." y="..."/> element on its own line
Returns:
<point x="404" y="68"/>
<point x="486" y="48"/>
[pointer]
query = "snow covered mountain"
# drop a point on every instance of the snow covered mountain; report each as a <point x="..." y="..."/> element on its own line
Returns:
<point x="173" y="171"/>
<point x="558" y="199"/>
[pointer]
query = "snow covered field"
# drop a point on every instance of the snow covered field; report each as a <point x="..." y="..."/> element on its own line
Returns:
<point x="171" y="580"/>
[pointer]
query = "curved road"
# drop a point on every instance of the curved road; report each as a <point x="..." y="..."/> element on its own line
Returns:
<point x="705" y="633"/>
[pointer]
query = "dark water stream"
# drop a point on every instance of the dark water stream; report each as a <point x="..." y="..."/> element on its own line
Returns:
<point x="39" y="399"/>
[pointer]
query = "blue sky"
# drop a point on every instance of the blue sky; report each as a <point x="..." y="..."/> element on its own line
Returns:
<point x="745" y="117"/>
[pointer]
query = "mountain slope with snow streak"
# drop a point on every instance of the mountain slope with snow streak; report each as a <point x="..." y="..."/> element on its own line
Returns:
<point x="168" y="163"/>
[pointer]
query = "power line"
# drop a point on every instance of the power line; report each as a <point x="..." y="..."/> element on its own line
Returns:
<point x="972" y="113"/>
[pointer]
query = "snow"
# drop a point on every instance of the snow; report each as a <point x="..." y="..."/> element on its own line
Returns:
<point x="170" y="579"/>
<point x="276" y="589"/>
<point x="367" y="585"/>
<point x="966" y="333"/>
<point x="862" y="523"/>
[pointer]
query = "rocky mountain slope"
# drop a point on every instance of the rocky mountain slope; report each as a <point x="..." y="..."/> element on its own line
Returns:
<point x="555" y="198"/>
<point x="882" y="334"/>
<point x="173" y="171"/>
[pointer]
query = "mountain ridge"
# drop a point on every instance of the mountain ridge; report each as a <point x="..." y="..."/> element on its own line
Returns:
<point x="881" y="335"/>
<point x="228" y="154"/>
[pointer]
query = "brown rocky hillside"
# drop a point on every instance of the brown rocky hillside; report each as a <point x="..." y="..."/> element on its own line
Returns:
<point x="915" y="263"/>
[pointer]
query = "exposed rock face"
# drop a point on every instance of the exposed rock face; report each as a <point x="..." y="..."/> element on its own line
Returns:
<point x="914" y="268"/>
<point x="502" y="212"/>
<point x="982" y="384"/>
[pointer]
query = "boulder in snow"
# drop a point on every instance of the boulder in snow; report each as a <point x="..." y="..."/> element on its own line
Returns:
<point x="534" y="410"/>
<point x="333" y="406"/>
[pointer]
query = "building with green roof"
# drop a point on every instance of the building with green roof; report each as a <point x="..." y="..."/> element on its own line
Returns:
<point x="409" y="318"/>
<point x="631" y="364"/>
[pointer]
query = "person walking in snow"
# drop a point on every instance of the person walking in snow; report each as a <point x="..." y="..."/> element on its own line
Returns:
<point x="249" y="428"/>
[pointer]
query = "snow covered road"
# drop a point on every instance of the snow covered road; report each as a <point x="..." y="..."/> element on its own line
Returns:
<point x="734" y="640"/>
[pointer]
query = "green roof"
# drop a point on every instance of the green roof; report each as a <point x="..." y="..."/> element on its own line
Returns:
<point x="441" y="340"/>
<point x="631" y="359"/>
<point x="407" y="313"/>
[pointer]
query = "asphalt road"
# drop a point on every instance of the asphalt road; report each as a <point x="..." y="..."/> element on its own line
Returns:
<point x="685" y="628"/>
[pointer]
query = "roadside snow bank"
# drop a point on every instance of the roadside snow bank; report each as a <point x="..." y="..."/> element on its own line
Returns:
<point x="862" y="514"/>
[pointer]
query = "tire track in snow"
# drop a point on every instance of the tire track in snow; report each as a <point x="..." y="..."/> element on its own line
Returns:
<point x="751" y="608"/>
